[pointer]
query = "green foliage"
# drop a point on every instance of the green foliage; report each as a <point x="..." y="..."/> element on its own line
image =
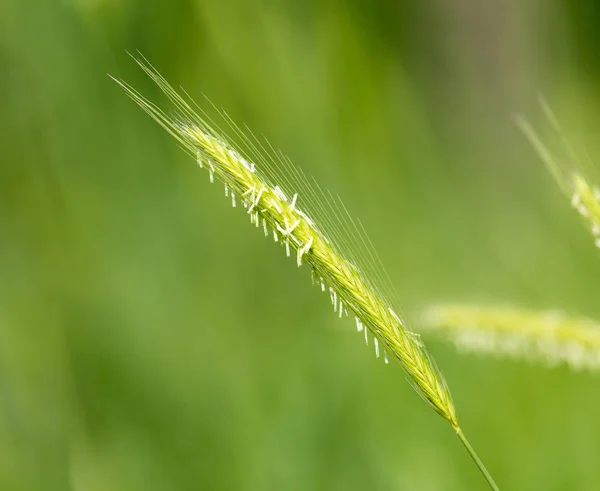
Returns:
<point x="122" y="364"/>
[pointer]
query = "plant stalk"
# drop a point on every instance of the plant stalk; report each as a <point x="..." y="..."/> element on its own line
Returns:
<point x="477" y="460"/>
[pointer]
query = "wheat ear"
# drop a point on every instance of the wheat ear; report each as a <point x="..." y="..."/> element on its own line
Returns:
<point x="551" y="337"/>
<point x="585" y="197"/>
<point x="281" y="216"/>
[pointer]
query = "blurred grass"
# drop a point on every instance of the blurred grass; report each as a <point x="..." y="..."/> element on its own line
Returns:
<point x="150" y="340"/>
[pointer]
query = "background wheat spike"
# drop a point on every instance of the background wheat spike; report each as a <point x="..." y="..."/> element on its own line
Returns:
<point x="573" y="181"/>
<point x="280" y="215"/>
<point x="550" y="337"/>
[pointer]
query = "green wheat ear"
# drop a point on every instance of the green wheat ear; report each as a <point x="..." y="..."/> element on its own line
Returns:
<point x="551" y="337"/>
<point x="585" y="197"/>
<point x="259" y="189"/>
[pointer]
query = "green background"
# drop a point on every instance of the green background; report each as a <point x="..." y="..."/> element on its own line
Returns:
<point x="150" y="339"/>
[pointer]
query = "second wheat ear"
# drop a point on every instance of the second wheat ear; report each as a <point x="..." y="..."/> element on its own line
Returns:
<point x="571" y="178"/>
<point x="256" y="181"/>
<point x="551" y="337"/>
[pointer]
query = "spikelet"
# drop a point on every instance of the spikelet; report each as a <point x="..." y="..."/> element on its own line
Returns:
<point x="550" y="337"/>
<point x="279" y="214"/>
<point x="585" y="197"/>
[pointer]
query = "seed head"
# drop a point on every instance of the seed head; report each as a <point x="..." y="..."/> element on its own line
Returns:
<point x="550" y="337"/>
<point x="280" y="213"/>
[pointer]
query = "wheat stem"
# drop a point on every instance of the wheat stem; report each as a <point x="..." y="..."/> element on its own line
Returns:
<point x="477" y="460"/>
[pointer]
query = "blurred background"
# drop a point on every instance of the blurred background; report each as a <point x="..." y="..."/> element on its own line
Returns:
<point x="151" y="340"/>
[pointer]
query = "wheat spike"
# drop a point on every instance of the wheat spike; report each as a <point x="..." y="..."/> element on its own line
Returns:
<point x="585" y="197"/>
<point x="267" y="203"/>
<point x="551" y="337"/>
<point x="268" y="206"/>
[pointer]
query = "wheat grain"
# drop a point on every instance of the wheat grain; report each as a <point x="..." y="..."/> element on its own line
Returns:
<point x="551" y="337"/>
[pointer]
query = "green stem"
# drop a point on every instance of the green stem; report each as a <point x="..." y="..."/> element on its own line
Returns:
<point x="476" y="459"/>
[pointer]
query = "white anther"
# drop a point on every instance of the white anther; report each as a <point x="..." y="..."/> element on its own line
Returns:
<point x="251" y="191"/>
<point x="199" y="160"/>
<point x="266" y="230"/>
<point x="247" y="165"/>
<point x="211" y="172"/>
<point x="293" y="205"/>
<point x="287" y="231"/>
<point x="281" y="229"/>
<point x="232" y="199"/>
<point x="236" y="156"/>
<point x="396" y="316"/>
<point x="376" y="342"/>
<point x="276" y="205"/>
<point x="359" y="326"/>
<point x="366" y="336"/>
<point x="322" y="285"/>
<point x="280" y="194"/>
<point x="576" y="200"/>
<point x="287" y="247"/>
<point x="306" y="217"/>
<point x="416" y="337"/>
<point x="239" y="158"/>
<point x="341" y="309"/>
<point x="296" y="223"/>
<point x="385" y="357"/>
<point x="303" y="250"/>
<point x="583" y="210"/>
<point x="226" y="190"/>
<point x="275" y="238"/>
<point x="256" y="200"/>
